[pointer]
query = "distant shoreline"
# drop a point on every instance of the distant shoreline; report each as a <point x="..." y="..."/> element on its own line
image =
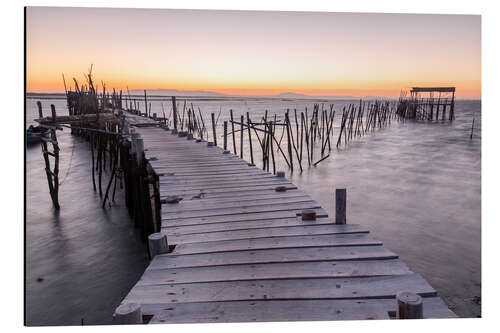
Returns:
<point x="33" y="95"/>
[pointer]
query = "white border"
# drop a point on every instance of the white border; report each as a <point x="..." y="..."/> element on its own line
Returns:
<point x="12" y="87"/>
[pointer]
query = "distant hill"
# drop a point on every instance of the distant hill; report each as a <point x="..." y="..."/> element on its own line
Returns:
<point x="175" y="92"/>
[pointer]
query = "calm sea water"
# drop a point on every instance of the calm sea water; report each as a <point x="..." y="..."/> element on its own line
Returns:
<point x="416" y="186"/>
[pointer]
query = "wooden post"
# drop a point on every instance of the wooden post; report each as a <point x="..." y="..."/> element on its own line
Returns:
<point x="213" y="129"/>
<point x="289" y="143"/>
<point x="225" y="135"/>
<point x="409" y="306"/>
<point x="40" y="113"/>
<point x="340" y="206"/>
<point x="146" y="103"/>
<point x="249" y="138"/>
<point x="157" y="244"/>
<point x="139" y="151"/>
<point x="241" y="137"/>
<point x="129" y="313"/>
<point x="232" y="131"/>
<point x="174" y="108"/>
<point x="280" y="174"/>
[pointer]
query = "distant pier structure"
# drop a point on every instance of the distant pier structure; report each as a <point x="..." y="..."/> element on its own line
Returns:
<point x="427" y="103"/>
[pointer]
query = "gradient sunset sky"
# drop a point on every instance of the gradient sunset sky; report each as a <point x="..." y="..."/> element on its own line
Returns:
<point x="253" y="52"/>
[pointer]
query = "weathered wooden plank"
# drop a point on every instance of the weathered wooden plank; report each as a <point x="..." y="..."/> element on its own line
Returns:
<point x="243" y="209"/>
<point x="272" y="256"/>
<point x="227" y="185"/>
<point x="193" y="179"/>
<point x="327" y="229"/>
<point x="242" y="225"/>
<point x="290" y="310"/>
<point x="210" y="173"/>
<point x="244" y="193"/>
<point x="221" y="181"/>
<point x="280" y="289"/>
<point x="285" y="270"/>
<point x="239" y="217"/>
<point x="280" y="242"/>
<point x="202" y="204"/>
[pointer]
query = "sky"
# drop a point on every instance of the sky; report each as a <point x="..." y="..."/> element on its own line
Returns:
<point x="253" y="52"/>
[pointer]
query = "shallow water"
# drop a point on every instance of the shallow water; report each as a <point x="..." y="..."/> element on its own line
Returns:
<point x="416" y="186"/>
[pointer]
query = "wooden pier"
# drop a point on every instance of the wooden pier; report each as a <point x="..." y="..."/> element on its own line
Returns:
<point x="239" y="251"/>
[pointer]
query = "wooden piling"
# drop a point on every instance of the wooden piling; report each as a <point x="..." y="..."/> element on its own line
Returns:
<point x="340" y="206"/>
<point x="214" y="134"/>
<point x="174" y="110"/>
<point x="225" y="135"/>
<point x="157" y="244"/>
<point x="409" y="306"/>
<point x="129" y="313"/>
<point x="249" y="138"/>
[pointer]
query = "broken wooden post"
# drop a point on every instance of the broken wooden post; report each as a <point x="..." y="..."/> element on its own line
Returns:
<point x="129" y="313"/>
<point x="409" y="306"/>
<point x="340" y="205"/>
<point x="157" y="244"/>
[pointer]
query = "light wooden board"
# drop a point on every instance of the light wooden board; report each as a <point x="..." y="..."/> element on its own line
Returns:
<point x="226" y="185"/>
<point x="309" y="254"/>
<point x="280" y="242"/>
<point x="166" y="191"/>
<point x="204" y="204"/>
<point x="243" y="209"/>
<point x="241" y="225"/>
<point x="291" y="310"/>
<point x="280" y="289"/>
<point x="265" y="232"/>
<point x="240" y="217"/>
<point x="245" y="194"/>
<point x="287" y="270"/>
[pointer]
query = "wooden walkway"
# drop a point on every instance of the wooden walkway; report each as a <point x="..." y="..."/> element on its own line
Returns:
<point x="242" y="254"/>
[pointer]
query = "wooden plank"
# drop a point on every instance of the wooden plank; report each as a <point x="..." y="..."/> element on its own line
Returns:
<point x="209" y="181"/>
<point x="280" y="242"/>
<point x="273" y="256"/>
<point x="243" y="209"/>
<point x="203" y="203"/>
<point x="290" y="310"/>
<point x="327" y="229"/>
<point x="207" y="173"/>
<point x="193" y="179"/>
<point x="242" y="225"/>
<point x="196" y="205"/>
<point x="240" y="217"/>
<point x="239" y="195"/>
<point x="285" y="270"/>
<point x="167" y="192"/>
<point x="227" y="185"/>
<point x="280" y="289"/>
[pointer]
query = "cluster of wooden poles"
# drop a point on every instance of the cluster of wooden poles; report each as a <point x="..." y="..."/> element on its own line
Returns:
<point x="293" y="140"/>
<point x="86" y="98"/>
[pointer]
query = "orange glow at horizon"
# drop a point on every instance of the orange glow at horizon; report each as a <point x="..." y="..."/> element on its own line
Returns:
<point x="253" y="53"/>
